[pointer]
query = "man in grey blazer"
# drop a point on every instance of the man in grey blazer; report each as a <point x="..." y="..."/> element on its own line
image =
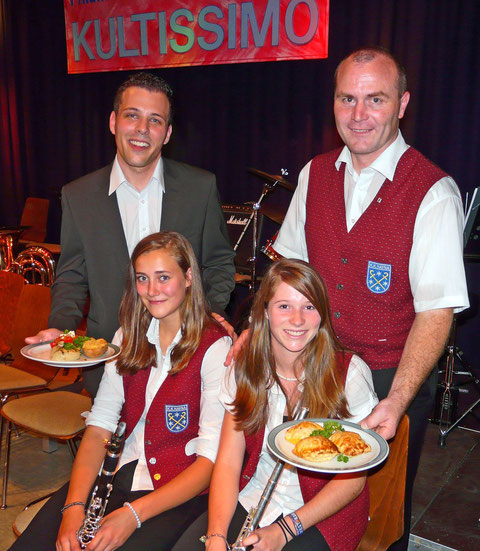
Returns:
<point x="106" y="213"/>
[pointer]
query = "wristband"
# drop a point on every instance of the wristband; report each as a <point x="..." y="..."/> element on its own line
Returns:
<point x="68" y="505"/>
<point x="296" y="523"/>
<point x="283" y="530"/>
<point x="285" y="525"/>
<point x="137" y="518"/>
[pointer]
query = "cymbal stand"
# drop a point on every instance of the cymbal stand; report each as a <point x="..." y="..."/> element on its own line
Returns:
<point x="267" y="188"/>
<point x="446" y="403"/>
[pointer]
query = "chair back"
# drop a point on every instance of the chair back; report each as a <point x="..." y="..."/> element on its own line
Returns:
<point x="11" y="286"/>
<point x="387" y="495"/>
<point x="32" y="313"/>
<point x="35" y="215"/>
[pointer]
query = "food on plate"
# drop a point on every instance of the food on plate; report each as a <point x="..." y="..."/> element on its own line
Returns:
<point x="68" y="347"/>
<point x="301" y="430"/>
<point x="316" y="448"/>
<point x="322" y="442"/>
<point x="350" y="443"/>
<point x="94" y="348"/>
<point x="61" y="354"/>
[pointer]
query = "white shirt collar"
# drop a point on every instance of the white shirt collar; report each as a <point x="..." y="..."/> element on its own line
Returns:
<point x="153" y="335"/>
<point x="117" y="177"/>
<point x="385" y="164"/>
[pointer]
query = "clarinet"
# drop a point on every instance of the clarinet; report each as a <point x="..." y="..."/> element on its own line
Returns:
<point x="103" y="488"/>
<point x="255" y="514"/>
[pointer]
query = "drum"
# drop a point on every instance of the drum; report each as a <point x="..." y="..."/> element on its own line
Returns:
<point x="269" y="251"/>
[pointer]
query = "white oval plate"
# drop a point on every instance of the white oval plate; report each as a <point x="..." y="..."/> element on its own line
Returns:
<point x="41" y="353"/>
<point x="282" y="449"/>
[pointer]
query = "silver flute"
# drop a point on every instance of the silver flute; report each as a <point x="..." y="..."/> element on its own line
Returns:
<point x="103" y="488"/>
<point x="255" y="514"/>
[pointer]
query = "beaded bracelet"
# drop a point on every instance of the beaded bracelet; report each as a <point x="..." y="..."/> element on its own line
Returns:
<point x="203" y="539"/>
<point x="137" y="518"/>
<point x="68" y="505"/>
<point x="296" y="523"/>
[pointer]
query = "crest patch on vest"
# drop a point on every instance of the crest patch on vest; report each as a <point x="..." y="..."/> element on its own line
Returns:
<point x="176" y="417"/>
<point x="379" y="277"/>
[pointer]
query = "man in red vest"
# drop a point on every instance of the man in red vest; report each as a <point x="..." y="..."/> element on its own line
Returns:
<point x="383" y="226"/>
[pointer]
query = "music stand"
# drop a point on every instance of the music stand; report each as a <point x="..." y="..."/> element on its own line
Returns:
<point x="471" y="242"/>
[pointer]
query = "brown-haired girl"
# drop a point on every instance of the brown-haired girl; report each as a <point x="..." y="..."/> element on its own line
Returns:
<point x="292" y="358"/>
<point x="164" y="385"/>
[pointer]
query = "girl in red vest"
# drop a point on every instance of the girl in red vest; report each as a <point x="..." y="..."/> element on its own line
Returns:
<point x="164" y="385"/>
<point x="292" y="358"/>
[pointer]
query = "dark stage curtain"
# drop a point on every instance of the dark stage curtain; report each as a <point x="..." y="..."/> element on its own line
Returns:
<point x="53" y="126"/>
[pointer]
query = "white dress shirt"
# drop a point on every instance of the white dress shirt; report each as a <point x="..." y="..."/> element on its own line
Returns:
<point x="436" y="271"/>
<point x="287" y="497"/>
<point x="140" y="211"/>
<point x="110" y="398"/>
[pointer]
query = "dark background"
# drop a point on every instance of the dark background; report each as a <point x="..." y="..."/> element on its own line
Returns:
<point x="53" y="126"/>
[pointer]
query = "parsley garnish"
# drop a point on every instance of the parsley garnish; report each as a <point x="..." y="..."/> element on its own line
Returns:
<point x="329" y="427"/>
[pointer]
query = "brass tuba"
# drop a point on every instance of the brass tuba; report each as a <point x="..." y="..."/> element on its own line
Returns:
<point x="36" y="264"/>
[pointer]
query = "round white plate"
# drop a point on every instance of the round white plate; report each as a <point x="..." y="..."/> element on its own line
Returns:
<point x="41" y="353"/>
<point x="282" y="449"/>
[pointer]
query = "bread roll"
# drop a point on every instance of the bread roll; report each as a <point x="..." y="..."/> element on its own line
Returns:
<point x="94" y="348"/>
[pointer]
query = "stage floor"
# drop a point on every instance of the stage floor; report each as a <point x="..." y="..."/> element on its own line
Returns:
<point x="446" y="505"/>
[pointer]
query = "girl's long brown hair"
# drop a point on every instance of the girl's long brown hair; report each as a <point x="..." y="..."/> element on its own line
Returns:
<point x="255" y="371"/>
<point x="137" y="353"/>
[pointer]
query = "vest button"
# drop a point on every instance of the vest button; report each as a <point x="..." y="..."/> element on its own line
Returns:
<point x="337" y="314"/>
<point x="246" y="477"/>
<point x="147" y="421"/>
<point x="148" y="442"/>
<point x="157" y="476"/>
<point x="152" y="460"/>
<point x="340" y="286"/>
<point x="344" y="260"/>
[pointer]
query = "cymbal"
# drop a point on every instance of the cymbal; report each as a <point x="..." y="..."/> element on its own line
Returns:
<point x="275" y="213"/>
<point x="272" y="178"/>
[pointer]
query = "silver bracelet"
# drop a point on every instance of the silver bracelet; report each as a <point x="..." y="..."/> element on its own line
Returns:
<point x="68" y="505"/>
<point x="137" y="518"/>
<point x="203" y="539"/>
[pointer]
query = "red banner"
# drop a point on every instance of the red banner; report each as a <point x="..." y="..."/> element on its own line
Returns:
<point x="112" y="35"/>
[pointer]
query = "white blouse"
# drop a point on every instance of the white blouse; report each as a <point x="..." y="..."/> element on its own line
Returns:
<point x="110" y="397"/>
<point x="287" y="497"/>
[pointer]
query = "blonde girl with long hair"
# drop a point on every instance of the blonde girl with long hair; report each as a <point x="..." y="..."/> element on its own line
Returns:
<point x="292" y="358"/>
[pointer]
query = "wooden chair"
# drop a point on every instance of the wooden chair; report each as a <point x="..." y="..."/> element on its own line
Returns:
<point x="11" y="286"/>
<point x="53" y="414"/>
<point x="387" y="495"/>
<point x="14" y="298"/>
<point x="35" y="215"/>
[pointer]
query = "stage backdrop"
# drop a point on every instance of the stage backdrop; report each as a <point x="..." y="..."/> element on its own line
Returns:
<point x="54" y="125"/>
<point x="113" y="35"/>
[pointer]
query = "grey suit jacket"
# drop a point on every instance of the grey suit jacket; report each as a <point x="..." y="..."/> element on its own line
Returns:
<point x="94" y="254"/>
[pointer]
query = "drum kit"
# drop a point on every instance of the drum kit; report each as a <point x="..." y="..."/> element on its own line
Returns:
<point x="244" y="224"/>
<point x="35" y="263"/>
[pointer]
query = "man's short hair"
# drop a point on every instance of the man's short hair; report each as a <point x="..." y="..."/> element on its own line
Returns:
<point x="364" y="55"/>
<point x="149" y="82"/>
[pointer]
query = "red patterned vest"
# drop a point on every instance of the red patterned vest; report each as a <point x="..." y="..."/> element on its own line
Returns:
<point x="173" y="417"/>
<point x="344" y="529"/>
<point x="366" y="269"/>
